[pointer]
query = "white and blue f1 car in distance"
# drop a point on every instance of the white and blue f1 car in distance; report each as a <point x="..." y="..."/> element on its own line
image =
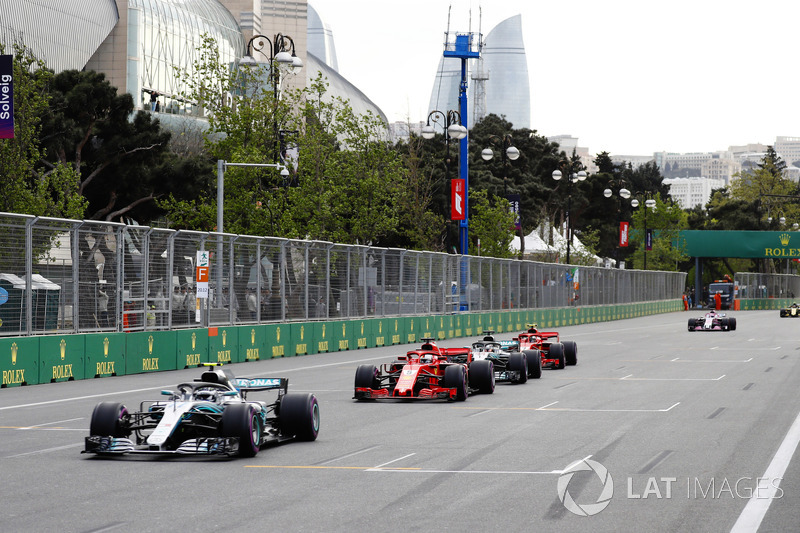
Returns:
<point x="209" y="416"/>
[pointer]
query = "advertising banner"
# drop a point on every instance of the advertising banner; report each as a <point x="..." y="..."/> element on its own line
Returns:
<point x="514" y="201"/>
<point x="648" y="240"/>
<point x="623" y="234"/>
<point x="6" y="97"/>
<point x="457" y="199"/>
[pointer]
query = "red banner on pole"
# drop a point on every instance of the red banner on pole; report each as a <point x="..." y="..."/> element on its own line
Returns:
<point x="457" y="199"/>
<point x="623" y="234"/>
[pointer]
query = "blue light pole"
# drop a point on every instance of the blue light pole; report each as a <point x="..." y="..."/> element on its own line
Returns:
<point x="465" y="46"/>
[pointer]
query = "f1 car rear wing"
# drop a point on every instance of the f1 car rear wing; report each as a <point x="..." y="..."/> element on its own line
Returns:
<point x="261" y="384"/>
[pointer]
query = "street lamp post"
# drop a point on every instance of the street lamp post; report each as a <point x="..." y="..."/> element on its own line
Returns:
<point x="281" y="52"/>
<point x="508" y="152"/>
<point x="623" y="194"/>
<point x="648" y="241"/>
<point x="451" y="124"/>
<point x="570" y="167"/>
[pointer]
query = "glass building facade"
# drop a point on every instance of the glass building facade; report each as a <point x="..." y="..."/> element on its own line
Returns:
<point x="165" y="34"/>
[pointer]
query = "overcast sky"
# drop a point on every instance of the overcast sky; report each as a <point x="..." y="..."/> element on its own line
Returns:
<point x="630" y="77"/>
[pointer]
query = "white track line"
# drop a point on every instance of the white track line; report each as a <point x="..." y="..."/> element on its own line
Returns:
<point x="759" y="503"/>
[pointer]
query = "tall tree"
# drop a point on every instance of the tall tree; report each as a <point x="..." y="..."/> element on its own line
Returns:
<point x="91" y="129"/>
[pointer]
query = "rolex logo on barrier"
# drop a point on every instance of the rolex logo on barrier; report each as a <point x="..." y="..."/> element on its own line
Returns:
<point x="63" y="346"/>
<point x="14" y="350"/>
<point x="302" y="332"/>
<point x="253" y="336"/>
<point x="150" y="344"/>
<point x="784" y="237"/>
<point x="343" y="330"/>
<point x="278" y="334"/>
<point x="106" y="342"/>
<point x="194" y="340"/>
<point x="323" y="331"/>
<point x="224" y="337"/>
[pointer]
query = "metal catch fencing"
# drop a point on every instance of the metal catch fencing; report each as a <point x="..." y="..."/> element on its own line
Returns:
<point x="74" y="276"/>
<point x="757" y="285"/>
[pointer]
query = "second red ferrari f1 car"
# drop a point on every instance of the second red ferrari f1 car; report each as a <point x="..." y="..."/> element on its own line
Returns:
<point x="428" y="373"/>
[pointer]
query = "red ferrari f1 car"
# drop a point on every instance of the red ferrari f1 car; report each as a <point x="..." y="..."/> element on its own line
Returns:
<point x="429" y="372"/>
<point x="554" y="352"/>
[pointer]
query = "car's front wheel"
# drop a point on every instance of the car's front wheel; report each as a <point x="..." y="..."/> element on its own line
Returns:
<point x="110" y="419"/>
<point x="570" y="353"/>
<point x="481" y="375"/>
<point x="518" y="362"/>
<point x="455" y="377"/>
<point x="534" y="358"/>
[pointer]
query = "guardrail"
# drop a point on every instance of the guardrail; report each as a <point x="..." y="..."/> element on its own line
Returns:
<point x="65" y="357"/>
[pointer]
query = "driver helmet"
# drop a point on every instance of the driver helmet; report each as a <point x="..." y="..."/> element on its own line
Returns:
<point x="426" y="358"/>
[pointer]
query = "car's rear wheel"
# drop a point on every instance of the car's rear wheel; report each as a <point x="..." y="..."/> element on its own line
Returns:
<point x="481" y="374"/>
<point x="557" y="353"/>
<point x="299" y="416"/>
<point x="534" y="358"/>
<point x="455" y="377"/>
<point x="110" y="419"/>
<point x="570" y="353"/>
<point x="367" y="377"/>
<point x="240" y="420"/>
<point x="518" y="362"/>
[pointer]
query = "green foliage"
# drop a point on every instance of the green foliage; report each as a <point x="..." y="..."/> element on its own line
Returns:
<point x="666" y="220"/>
<point x="491" y="224"/>
<point x="768" y="190"/>
<point x="347" y="183"/>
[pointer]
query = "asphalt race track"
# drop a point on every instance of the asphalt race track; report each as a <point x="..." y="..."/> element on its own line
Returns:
<point x="655" y="429"/>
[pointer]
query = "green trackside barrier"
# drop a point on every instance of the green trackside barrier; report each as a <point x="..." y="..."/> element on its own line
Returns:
<point x="380" y="332"/>
<point x="343" y="335"/>
<point x="439" y="330"/>
<point x="323" y="337"/>
<point x="253" y="342"/>
<point x="397" y="330"/>
<point x="450" y="322"/>
<point x="302" y="339"/>
<point x="192" y="347"/>
<point x="488" y="322"/>
<point x="62" y="358"/>
<point x="19" y="361"/>
<point x="458" y="325"/>
<point x="223" y="345"/>
<point x="362" y="334"/>
<point x="468" y="323"/>
<point x="411" y="324"/>
<point x="105" y="355"/>
<point x="278" y="340"/>
<point x="150" y="351"/>
<point x="429" y="326"/>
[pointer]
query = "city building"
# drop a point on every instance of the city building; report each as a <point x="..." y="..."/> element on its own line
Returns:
<point x="693" y="191"/>
<point x="498" y="83"/>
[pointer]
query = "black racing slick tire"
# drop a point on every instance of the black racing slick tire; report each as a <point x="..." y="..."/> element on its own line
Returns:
<point x="110" y="419"/>
<point x="518" y="362"/>
<point x="692" y="324"/>
<point x="557" y="353"/>
<point x="299" y="416"/>
<point x="570" y="353"/>
<point x="481" y="376"/>
<point x="455" y="377"/>
<point x="241" y="420"/>
<point x="534" y="358"/>
<point x="732" y="323"/>
<point x="367" y="377"/>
